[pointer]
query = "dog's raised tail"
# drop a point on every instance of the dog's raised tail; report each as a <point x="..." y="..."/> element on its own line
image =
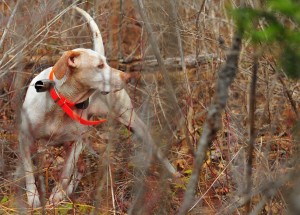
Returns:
<point x="97" y="38"/>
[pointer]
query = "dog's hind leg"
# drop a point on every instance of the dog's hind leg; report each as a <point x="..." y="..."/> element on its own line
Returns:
<point x="70" y="175"/>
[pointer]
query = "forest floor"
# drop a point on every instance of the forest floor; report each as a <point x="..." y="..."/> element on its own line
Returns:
<point x="113" y="157"/>
<point x="115" y="160"/>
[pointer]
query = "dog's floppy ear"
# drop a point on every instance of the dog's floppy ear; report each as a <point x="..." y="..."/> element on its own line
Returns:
<point x="65" y="64"/>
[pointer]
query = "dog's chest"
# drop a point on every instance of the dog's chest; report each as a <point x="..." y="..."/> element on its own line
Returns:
<point x="58" y="127"/>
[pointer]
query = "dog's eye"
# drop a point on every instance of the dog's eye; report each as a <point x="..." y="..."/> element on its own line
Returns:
<point x="101" y="66"/>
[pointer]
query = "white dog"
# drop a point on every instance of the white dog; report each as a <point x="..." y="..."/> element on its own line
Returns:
<point x="61" y="100"/>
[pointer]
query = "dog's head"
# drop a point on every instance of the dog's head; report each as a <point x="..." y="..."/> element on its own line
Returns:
<point x="90" y="70"/>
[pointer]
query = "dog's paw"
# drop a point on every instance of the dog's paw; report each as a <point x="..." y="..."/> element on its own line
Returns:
<point x="57" y="195"/>
<point x="33" y="200"/>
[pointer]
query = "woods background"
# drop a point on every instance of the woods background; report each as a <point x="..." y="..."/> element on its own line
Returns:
<point x="248" y="163"/>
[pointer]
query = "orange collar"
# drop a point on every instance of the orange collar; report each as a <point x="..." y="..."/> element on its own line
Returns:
<point x="68" y="106"/>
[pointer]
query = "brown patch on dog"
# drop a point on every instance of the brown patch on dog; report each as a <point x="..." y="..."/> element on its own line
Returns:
<point x="64" y="64"/>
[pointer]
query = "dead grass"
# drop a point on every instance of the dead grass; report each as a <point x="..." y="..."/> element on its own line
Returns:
<point x="114" y="159"/>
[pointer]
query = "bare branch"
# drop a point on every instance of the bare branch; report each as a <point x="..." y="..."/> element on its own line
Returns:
<point x="198" y="28"/>
<point x="156" y="52"/>
<point x="174" y="15"/>
<point x="134" y="64"/>
<point x="252" y="101"/>
<point x="9" y="23"/>
<point x="212" y="124"/>
<point x="290" y="97"/>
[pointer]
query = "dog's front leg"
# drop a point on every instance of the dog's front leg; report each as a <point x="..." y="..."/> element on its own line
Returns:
<point x="76" y="177"/>
<point x="142" y="131"/>
<point x="31" y="190"/>
<point x="122" y="107"/>
<point x="70" y="176"/>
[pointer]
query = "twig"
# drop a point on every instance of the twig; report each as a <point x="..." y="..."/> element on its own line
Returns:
<point x="9" y="23"/>
<point x="137" y="204"/>
<point x="198" y="29"/>
<point x="267" y="190"/>
<point x="290" y="98"/>
<point x="101" y="183"/>
<point x="173" y="100"/>
<point x="112" y="189"/>
<point x="162" y="109"/>
<point x="21" y="47"/>
<point x="212" y="184"/>
<point x="190" y="112"/>
<point x="156" y="52"/>
<point x="252" y="101"/>
<point x="212" y="123"/>
<point x="121" y="15"/>
<point x="174" y="15"/>
<point x="132" y="64"/>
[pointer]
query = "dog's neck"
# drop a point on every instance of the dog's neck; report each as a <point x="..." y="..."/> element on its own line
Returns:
<point x="72" y="89"/>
